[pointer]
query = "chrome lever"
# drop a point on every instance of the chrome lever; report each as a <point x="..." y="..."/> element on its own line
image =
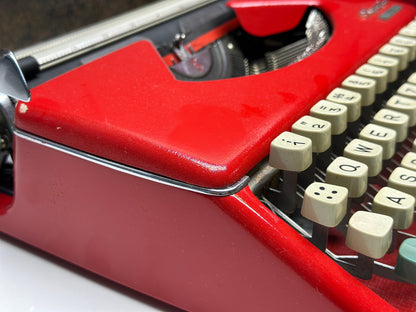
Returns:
<point x="12" y="81"/>
<point x="13" y="87"/>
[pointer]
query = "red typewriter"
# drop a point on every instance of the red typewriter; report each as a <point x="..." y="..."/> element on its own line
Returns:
<point x="223" y="155"/>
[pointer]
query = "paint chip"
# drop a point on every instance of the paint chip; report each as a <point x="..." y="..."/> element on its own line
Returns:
<point x="23" y="108"/>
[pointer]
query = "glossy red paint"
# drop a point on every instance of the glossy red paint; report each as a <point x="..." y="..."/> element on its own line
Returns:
<point x="197" y="252"/>
<point x="265" y="18"/>
<point x="128" y="107"/>
<point x="194" y="251"/>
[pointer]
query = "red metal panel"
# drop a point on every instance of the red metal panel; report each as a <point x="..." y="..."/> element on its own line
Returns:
<point x="129" y="108"/>
<point x="197" y="252"/>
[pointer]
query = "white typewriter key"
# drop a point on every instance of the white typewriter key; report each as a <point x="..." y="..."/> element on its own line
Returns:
<point x="412" y="78"/>
<point x="318" y="130"/>
<point x="404" y="105"/>
<point x="412" y="24"/>
<point x="402" y="53"/>
<point x="365" y="86"/>
<point x="383" y="136"/>
<point x="369" y="234"/>
<point x="351" y="99"/>
<point x="379" y="74"/>
<point x="390" y="63"/>
<point x="335" y="113"/>
<point x="393" y="120"/>
<point x="404" y="180"/>
<point x="348" y="173"/>
<point x="407" y="42"/>
<point x="396" y="204"/>
<point x="291" y="152"/>
<point x="408" y="31"/>
<point x="409" y="161"/>
<point x="325" y="205"/>
<point x="366" y="152"/>
<point x="407" y="89"/>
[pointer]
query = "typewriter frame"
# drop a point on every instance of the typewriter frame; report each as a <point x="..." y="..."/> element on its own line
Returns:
<point x="196" y="251"/>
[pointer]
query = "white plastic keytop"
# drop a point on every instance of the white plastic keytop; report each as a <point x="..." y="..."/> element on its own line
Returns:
<point x="383" y="136"/>
<point x="409" y="161"/>
<point x="351" y="99"/>
<point x="366" y="152"/>
<point x="396" y="204"/>
<point x="402" y="53"/>
<point x="335" y="113"/>
<point x="404" y="105"/>
<point x="318" y="130"/>
<point x="325" y="204"/>
<point x="393" y="120"/>
<point x="390" y="63"/>
<point x="408" y="32"/>
<point x="290" y="151"/>
<point x="404" y="180"/>
<point x="379" y="74"/>
<point x="365" y="86"/>
<point x="369" y="234"/>
<point x="407" y="89"/>
<point x="412" y="78"/>
<point x="348" y="173"/>
<point x="407" y="42"/>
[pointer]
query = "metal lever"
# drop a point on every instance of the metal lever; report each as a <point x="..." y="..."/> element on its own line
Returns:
<point x="193" y="65"/>
<point x="12" y="81"/>
<point x="13" y="87"/>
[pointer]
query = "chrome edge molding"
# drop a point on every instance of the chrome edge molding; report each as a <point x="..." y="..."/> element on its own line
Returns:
<point x="57" y="50"/>
<point x="226" y="191"/>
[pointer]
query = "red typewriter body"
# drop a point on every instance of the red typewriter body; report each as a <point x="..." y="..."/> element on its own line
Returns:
<point x="91" y="144"/>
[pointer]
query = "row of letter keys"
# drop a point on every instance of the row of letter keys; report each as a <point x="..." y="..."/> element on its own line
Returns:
<point x="334" y="178"/>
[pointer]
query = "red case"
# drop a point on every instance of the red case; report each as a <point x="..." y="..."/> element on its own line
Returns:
<point x="79" y="196"/>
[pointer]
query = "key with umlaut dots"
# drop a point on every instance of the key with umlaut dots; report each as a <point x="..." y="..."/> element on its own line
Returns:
<point x="325" y="205"/>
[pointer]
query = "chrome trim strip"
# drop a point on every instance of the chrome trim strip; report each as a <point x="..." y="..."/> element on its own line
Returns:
<point x="57" y="50"/>
<point x="225" y="191"/>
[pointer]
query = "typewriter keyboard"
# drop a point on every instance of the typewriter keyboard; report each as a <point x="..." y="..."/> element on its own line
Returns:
<point x="347" y="171"/>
